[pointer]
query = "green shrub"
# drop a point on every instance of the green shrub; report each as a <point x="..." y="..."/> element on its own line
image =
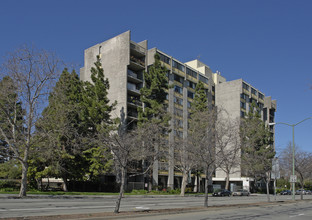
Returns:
<point x="174" y="191"/>
<point x="188" y="190"/>
<point x="140" y="191"/>
<point x="9" y="184"/>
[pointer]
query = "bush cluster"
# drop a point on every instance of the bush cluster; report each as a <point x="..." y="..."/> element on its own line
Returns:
<point x="9" y="185"/>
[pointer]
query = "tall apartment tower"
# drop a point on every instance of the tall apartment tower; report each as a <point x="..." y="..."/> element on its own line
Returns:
<point x="124" y="62"/>
<point x="236" y="98"/>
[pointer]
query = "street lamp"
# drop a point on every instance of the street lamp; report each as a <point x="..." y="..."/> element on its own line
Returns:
<point x="293" y="150"/>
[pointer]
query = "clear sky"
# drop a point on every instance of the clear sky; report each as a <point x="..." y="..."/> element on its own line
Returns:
<point x="268" y="43"/>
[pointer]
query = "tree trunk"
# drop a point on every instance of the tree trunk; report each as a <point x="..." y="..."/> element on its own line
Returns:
<point x="150" y="181"/>
<point x="267" y="186"/>
<point x="227" y="181"/>
<point x="206" y="188"/>
<point x="184" y="182"/>
<point x="65" y="188"/>
<point x="121" y="191"/>
<point x="23" y="188"/>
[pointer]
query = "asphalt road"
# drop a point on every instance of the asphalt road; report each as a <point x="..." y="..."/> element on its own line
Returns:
<point x="293" y="211"/>
<point x="11" y="206"/>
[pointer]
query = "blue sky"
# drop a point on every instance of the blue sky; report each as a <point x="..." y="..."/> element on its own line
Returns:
<point x="265" y="42"/>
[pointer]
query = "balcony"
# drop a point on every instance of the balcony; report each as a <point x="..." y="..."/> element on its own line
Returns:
<point x="133" y="89"/>
<point x="163" y="166"/>
<point x="246" y="91"/>
<point x="133" y="77"/>
<point x="178" y="72"/>
<point x="137" y="49"/>
<point x="136" y="63"/>
<point x="133" y="114"/>
<point x="134" y="101"/>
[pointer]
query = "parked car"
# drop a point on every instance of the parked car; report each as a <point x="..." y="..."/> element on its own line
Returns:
<point x="309" y="192"/>
<point x="285" y="192"/>
<point x="299" y="191"/>
<point x="222" y="192"/>
<point x="241" y="192"/>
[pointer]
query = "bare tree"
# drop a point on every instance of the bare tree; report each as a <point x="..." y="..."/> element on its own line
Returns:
<point x="152" y="136"/>
<point x="228" y="146"/>
<point x="201" y="136"/>
<point x="32" y="72"/>
<point x="139" y="144"/>
<point x="303" y="163"/>
<point x="123" y="145"/>
<point x="185" y="159"/>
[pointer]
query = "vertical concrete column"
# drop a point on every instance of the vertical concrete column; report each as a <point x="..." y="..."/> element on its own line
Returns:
<point x="171" y="135"/>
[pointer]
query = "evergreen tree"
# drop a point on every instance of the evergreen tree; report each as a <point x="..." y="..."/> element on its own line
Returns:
<point x="256" y="147"/>
<point x="200" y="102"/>
<point x="154" y="94"/>
<point x="96" y="121"/>
<point x="60" y="127"/>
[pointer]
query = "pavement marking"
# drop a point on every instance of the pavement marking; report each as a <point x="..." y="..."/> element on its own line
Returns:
<point x="296" y="215"/>
<point x="143" y="208"/>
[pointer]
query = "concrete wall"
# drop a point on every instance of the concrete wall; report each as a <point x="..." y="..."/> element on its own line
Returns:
<point x="115" y="56"/>
<point x="228" y="97"/>
<point x="228" y="101"/>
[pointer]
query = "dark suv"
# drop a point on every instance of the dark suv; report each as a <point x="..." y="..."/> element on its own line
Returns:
<point x="221" y="192"/>
<point x="286" y="192"/>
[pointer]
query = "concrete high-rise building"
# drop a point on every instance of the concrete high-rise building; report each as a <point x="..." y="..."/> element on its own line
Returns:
<point x="124" y="62"/>
<point x="236" y="98"/>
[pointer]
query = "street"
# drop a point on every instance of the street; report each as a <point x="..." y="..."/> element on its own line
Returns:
<point x="61" y="205"/>
<point x="298" y="211"/>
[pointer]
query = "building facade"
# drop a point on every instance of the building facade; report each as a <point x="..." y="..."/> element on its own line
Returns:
<point x="124" y="62"/>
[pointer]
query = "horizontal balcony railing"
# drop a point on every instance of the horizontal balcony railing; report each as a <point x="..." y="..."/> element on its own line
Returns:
<point x="134" y="101"/>
<point x="133" y="114"/>
<point x="137" y="47"/>
<point x="137" y="61"/>
<point x="134" y="76"/>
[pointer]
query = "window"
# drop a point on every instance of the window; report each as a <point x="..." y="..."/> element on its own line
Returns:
<point x="164" y="58"/>
<point x="253" y="91"/>
<point x="203" y="79"/>
<point x="191" y="73"/>
<point x="178" y="89"/>
<point x="191" y="84"/>
<point x="178" y="101"/>
<point x="177" y="65"/>
<point x="133" y="87"/>
<point x="244" y="96"/>
<point x="260" y="105"/>
<point x="178" y="112"/>
<point x="213" y="88"/>
<point x="178" y="133"/>
<point x="242" y="114"/>
<point x="178" y="123"/>
<point x="178" y="78"/>
<point x="245" y="86"/>
<point x="189" y="104"/>
<point x="190" y="94"/>
<point x="261" y="96"/>
<point x="243" y="105"/>
<point x="251" y="100"/>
